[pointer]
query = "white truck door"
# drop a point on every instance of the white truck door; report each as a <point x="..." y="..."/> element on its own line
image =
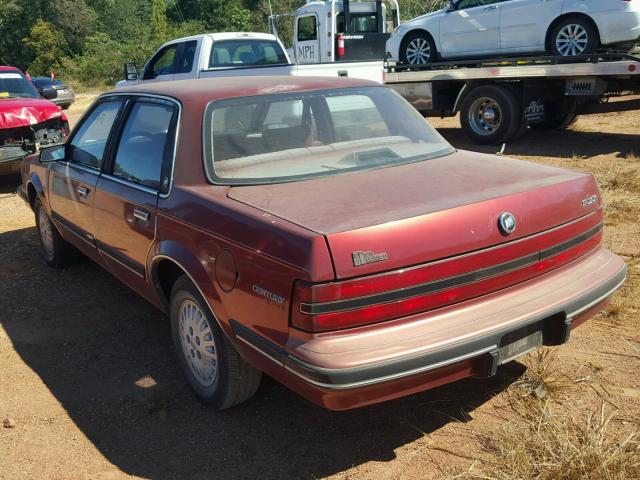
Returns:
<point x="473" y="28"/>
<point x="161" y="67"/>
<point x="307" y="43"/>
<point x="524" y="23"/>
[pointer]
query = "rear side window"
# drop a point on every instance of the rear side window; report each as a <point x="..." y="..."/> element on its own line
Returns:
<point x="246" y="52"/>
<point x="88" y="144"/>
<point x="144" y="144"/>
<point x="188" y="55"/>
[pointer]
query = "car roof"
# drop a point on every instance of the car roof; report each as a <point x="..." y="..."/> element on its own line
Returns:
<point x="6" y="67"/>
<point x="206" y="90"/>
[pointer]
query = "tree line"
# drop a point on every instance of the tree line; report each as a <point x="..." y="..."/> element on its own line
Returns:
<point x="87" y="41"/>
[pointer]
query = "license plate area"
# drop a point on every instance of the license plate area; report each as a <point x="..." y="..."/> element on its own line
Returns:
<point x="520" y="347"/>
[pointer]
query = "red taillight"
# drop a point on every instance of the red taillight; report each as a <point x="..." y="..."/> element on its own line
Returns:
<point x="340" y="305"/>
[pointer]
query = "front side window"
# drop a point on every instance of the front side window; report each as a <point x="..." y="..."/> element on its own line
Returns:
<point x="163" y="63"/>
<point x="294" y="136"/>
<point x="144" y="144"/>
<point x="246" y="52"/>
<point x="89" y="142"/>
<point x="464" y="4"/>
<point x="307" y="28"/>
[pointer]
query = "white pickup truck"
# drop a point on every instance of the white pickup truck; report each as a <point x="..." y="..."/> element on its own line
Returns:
<point x="236" y="54"/>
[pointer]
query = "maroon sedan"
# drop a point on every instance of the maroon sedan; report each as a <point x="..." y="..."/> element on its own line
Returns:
<point x="318" y="230"/>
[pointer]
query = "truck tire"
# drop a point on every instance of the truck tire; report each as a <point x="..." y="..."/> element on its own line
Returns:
<point x="55" y="251"/>
<point x="213" y="367"/>
<point x="417" y="48"/>
<point x="574" y="36"/>
<point x="560" y="121"/>
<point x="491" y="114"/>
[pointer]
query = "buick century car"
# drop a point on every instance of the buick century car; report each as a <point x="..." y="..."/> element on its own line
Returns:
<point x="320" y="231"/>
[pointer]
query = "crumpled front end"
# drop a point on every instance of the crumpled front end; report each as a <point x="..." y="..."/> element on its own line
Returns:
<point x="16" y="143"/>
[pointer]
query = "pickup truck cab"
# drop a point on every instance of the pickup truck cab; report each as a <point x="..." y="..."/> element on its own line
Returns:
<point x="234" y="54"/>
<point x="318" y="230"/>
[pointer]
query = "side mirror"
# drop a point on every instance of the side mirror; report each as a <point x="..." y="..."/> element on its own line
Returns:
<point x="451" y="6"/>
<point x="49" y="93"/>
<point x="130" y="71"/>
<point x="52" y="154"/>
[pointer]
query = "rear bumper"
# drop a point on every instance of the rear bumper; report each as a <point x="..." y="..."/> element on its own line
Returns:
<point x="371" y="364"/>
<point x="618" y="27"/>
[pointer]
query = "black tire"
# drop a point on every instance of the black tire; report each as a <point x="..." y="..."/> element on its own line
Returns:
<point x="417" y="48"/>
<point x="475" y="115"/>
<point x="556" y="122"/>
<point x="234" y="380"/>
<point x="563" y="32"/>
<point x="55" y="251"/>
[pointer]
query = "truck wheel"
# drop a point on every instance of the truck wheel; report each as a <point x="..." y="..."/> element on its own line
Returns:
<point x="56" y="252"/>
<point x="574" y="36"/>
<point x="490" y="115"/>
<point x="214" y="369"/>
<point x="417" y="49"/>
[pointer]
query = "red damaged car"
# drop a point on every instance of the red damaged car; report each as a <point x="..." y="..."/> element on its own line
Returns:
<point x="320" y="231"/>
<point x="27" y="121"/>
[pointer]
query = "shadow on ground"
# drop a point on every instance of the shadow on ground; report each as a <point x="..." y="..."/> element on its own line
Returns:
<point x="556" y="143"/>
<point x="90" y="339"/>
<point x="9" y="183"/>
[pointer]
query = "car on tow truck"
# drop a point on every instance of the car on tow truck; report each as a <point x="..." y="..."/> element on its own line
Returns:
<point x="27" y="120"/>
<point x="319" y="231"/>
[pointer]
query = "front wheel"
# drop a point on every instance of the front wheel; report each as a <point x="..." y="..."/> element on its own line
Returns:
<point x="490" y="115"/>
<point x="56" y="252"/>
<point x="417" y="49"/>
<point x="212" y="366"/>
<point x="574" y="36"/>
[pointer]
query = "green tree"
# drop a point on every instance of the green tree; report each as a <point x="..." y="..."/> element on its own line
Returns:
<point x="76" y="21"/>
<point x="46" y="46"/>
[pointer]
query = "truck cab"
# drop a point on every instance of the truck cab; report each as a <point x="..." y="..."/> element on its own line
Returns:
<point x="340" y="30"/>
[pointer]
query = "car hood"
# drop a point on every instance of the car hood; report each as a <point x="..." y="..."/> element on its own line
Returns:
<point x="22" y="112"/>
<point x="427" y="210"/>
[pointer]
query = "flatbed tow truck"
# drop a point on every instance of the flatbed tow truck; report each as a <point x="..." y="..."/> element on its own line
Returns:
<point x="497" y="99"/>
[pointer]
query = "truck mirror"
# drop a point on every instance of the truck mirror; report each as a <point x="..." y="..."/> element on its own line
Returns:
<point x="130" y="71"/>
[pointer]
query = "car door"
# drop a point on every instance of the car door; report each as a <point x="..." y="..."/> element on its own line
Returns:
<point x="162" y="66"/>
<point x="307" y="42"/>
<point x="473" y="28"/>
<point x="524" y="24"/>
<point x="138" y="171"/>
<point x="72" y="180"/>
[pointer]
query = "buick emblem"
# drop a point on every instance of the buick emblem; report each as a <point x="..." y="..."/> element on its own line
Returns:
<point x="507" y="223"/>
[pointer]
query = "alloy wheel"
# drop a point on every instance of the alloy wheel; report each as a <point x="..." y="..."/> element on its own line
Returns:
<point x="198" y="343"/>
<point x="418" y="51"/>
<point x="572" y="40"/>
<point x="485" y="116"/>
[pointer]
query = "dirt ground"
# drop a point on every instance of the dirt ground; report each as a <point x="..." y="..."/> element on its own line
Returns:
<point x="77" y="350"/>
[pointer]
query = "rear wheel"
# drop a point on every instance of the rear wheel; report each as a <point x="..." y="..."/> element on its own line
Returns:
<point x="417" y="49"/>
<point x="56" y="252"/>
<point x="490" y="115"/>
<point x="212" y="366"/>
<point x="574" y="36"/>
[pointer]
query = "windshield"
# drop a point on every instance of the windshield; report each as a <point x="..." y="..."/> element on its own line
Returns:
<point x="295" y="136"/>
<point x="246" y="52"/>
<point x="14" y="84"/>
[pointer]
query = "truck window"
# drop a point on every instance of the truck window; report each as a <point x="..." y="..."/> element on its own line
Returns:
<point x="307" y="28"/>
<point x="188" y="54"/>
<point x="360" y="23"/>
<point x="246" y="52"/>
<point x="162" y="63"/>
<point x="142" y="146"/>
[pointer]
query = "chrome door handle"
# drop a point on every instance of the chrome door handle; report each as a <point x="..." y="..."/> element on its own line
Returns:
<point x="82" y="191"/>
<point x="141" y="214"/>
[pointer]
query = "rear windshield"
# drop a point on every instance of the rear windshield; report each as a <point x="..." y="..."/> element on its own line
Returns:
<point x="295" y="136"/>
<point x="14" y="84"/>
<point x="246" y="52"/>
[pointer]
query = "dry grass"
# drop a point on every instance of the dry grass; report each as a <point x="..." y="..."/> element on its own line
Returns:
<point x="539" y="442"/>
